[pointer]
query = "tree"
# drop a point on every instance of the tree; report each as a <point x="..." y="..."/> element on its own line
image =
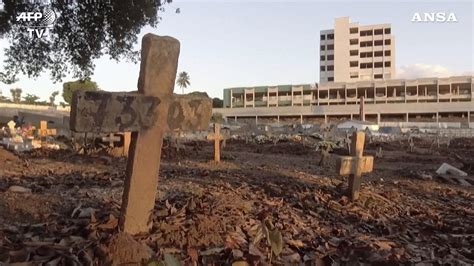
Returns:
<point x="16" y="95"/>
<point x="3" y="98"/>
<point x="217" y="103"/>
<point x="183" y="80"/>
<point x="199" y="93"/>
<point x="82" y="31"/>
<point x="217" y="118"/>
<point x="30" y="98"/>
<point x="70" y="87"/>
<point x="52" y="98"/>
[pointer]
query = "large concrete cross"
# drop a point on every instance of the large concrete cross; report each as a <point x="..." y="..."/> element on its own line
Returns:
<point x="148" y="114"/>
<point x="355" y="165"/>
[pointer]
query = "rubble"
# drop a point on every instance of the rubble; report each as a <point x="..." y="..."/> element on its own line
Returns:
<point x="19" y="189"/>
<point x="446" y="169"/>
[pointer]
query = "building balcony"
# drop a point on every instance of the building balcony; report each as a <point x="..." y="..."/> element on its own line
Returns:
<point x="378" y="48"/>
<point x="366" y="38"/>
<point x="365" y="49"/>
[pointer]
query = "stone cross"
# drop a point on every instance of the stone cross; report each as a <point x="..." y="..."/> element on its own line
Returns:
<point x="216" y="137"/>
<point x="148" y="114"/>
<point x="355" y="165"/>
<point x="111" y="139"/>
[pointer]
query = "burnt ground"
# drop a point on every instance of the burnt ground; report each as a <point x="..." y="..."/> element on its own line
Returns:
<point x="209" y="213"/>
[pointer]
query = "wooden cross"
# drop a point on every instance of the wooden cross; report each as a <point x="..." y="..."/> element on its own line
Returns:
<point x="355" y="165"/>
<point x="44" y="131"/>
<point x="148" y="114"/>
<point x="216" y="137"/>
<point x="111" y="139"/>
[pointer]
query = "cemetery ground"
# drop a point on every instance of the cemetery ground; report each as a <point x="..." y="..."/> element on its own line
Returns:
<point x="262" y="204"/>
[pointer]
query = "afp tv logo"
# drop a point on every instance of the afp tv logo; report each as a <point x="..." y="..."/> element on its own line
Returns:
<point x="38" y="24"/>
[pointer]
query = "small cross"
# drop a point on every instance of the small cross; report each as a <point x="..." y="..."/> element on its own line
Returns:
<point x="355" y="165"/>
<point x="216" y="137"/>
<point x="44" y="131"/>
<point x="111" y="139"/>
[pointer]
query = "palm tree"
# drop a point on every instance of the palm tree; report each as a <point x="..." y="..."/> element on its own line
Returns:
<point x="183" y="80"/>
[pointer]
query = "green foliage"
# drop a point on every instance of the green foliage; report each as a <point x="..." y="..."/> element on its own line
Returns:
<point x="217" y="118"/>
<point x="52" y="98"/>
<point x="70" y="87"/>
<point x="3" y="99"/>
<point x="30" y="98"/>
<point x="183" y="80"/>
<point x="16" y="95"/>
<point x="83" y="31"/>
<point x="4" y="78"/>
<point x="217" y="103"/>
<point x="198" y="93"/>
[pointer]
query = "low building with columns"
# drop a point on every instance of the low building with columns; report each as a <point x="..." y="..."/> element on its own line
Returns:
<point x="439" y="102"/>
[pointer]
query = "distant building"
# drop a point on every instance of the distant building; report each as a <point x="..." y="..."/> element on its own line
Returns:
<point x="350" y="52"/>
<point x="427" y="100"/>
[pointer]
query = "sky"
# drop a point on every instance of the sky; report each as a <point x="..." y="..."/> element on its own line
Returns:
<point x="250" y="43"/>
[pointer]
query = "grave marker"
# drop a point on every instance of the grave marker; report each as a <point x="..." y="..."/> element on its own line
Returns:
<point x="216" y="137"/>
<point x="44" y="131"/>
<point x="147" y="114"/>
<point x="111" y="139"/>
<point x="355" y="165"/>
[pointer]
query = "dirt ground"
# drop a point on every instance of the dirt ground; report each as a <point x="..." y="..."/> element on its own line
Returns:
<point x="264" y="204"/>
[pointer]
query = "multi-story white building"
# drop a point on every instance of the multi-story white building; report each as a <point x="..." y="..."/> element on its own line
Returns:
<point x="351" y="52"/>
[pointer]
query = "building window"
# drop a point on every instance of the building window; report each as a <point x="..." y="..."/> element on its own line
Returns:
<point x="387" y="64"/>
<point x="330" y="36"/>
<point x="388" y="42"/>
<point x="388" y="53"/>
<point x="330" y="57"/>
<point x="323" y="37"/>
<point x="387" y="31"/>
<point x="330" y="68"/>
<point x="354" y="52"/>
<point x="331" y="79"/>
<point x="323" y="68"/>
<point x="378" y="53"/>
<point x="330" y="47"/>
<point x="366" y="44"/>
<point x="354" y="75"/>
<point x="354" y="41"/>
<point x="378" y="76"/>
<point x="366" y="33"/>
<point x="323" y="48"/>
<point x="378" y="42"/>
<point x="365" y="65"/>
<point x="378" y="64"/>
<point x="378" y="32"/>
<point x="323" y="58"/>
<point x="366" y="54"/>
<point x="353" y="64"/>
<point x="354" y="30"/>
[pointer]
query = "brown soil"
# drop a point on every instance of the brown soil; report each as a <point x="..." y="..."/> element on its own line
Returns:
<point x="217" y="213"/>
